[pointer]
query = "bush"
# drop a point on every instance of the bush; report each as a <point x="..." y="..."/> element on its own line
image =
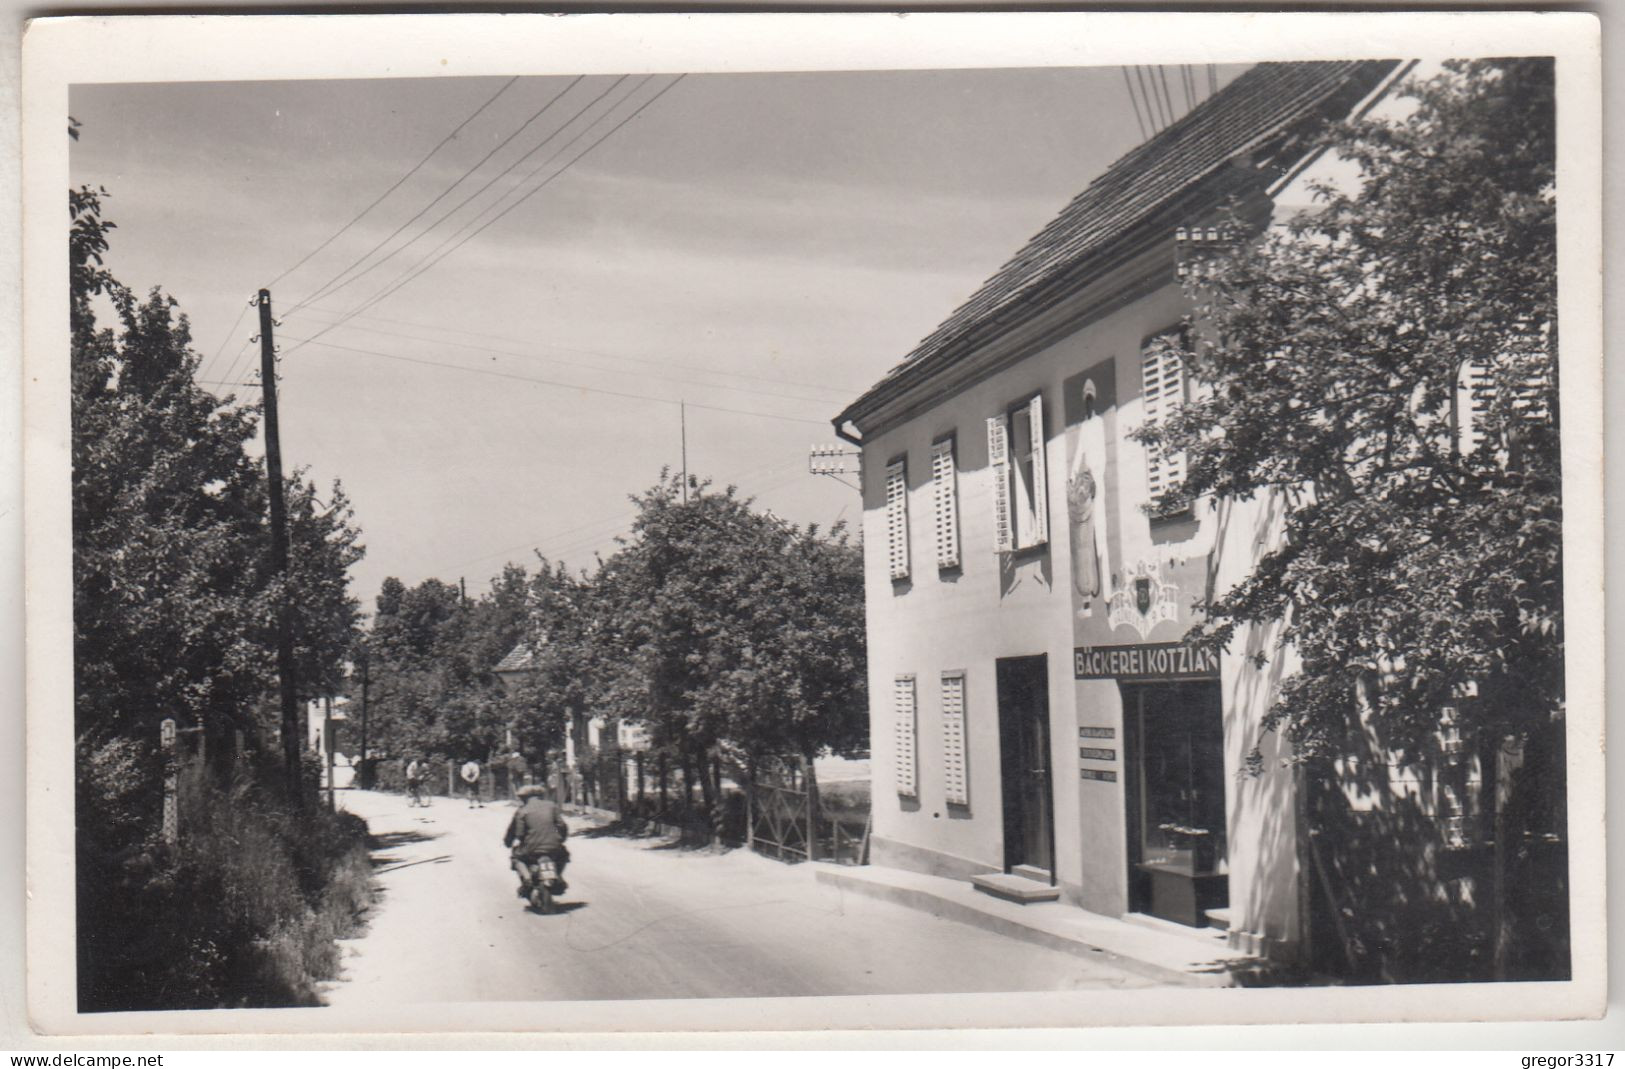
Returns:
<point x="243" y="911"/>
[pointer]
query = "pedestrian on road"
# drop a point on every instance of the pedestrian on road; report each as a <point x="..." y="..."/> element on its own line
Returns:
<point x="471" y="777"/>
<point x="537" y="830"/>
<point x="414" y="782"/>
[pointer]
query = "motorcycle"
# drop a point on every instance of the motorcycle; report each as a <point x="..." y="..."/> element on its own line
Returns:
<point x="540" y="883"/>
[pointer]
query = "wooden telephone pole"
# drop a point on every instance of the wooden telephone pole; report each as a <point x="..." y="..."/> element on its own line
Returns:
<point x="292" y="733"/>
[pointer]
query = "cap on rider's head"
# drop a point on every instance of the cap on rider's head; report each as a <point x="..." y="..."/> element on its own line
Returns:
<point x="531" y="790"/>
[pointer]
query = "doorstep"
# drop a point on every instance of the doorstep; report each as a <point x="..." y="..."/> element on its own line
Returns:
<point x="1193" y="960"/>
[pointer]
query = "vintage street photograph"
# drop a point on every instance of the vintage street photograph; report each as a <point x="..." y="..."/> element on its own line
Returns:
<point x="651" y="531"/>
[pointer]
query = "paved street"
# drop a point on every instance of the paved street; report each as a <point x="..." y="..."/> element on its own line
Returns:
<point x="647" y="920"/>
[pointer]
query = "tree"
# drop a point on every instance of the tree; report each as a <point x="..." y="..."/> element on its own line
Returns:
<point x="173" y="604"/>
<point x="1385" y="367"/>
<point x="741" y="632"/>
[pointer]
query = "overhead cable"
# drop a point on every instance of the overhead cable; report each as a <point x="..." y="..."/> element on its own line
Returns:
<point x="328" y="287"/>
<point x="550" y="382"/>
<point x="434" y="259"/>
<point x="398" y="183"/>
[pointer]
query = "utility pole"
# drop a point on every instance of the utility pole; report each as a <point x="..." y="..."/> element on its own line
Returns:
<point x="682" y="415"/>
<point x="291" y="733"/>
<point x="366" y="776"/>
<point x="327" y="744"/>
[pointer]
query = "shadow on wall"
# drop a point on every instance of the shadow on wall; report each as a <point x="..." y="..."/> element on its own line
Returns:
<point x="1394" y="895"/>
<point x="1393" y="902"/>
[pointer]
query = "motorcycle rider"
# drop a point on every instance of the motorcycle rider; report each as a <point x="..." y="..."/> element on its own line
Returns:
<point x="537" y="830"/>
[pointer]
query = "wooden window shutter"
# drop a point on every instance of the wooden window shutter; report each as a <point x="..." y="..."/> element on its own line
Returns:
<point x="998" y="462"/>
<point x="956" y="786"/>
<point x="1474" y="389"/>
<point x="897" y="518"/>
<point x="904" y="707"/>
<point x="1162" y="378"/>
<point x="1039" y="532"/>
<point x="943" y="479"/>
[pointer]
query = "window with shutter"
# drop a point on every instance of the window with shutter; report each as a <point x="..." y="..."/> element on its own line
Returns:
<point x="1474" y="388"/>
<point x="944" y="478"/>
<point x="1037" y="527"/>
<point x="956" y="784"/>
<point x="897" y="518"/>
<point x="998" y="462"/>
<point x="903" y="741"/>
<point x="1162" y="380"/>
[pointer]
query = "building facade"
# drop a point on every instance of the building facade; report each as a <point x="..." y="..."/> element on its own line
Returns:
<point x="1035" y="710"/>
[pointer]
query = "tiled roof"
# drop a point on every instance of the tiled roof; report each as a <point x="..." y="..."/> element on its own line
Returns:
<point x="1257" y="109"/>
<point x="522" y="658"/>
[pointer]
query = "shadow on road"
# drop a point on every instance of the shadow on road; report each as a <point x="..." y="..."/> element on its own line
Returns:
<point x="390" y="864"/>
<point x="399" y="838"/>
<point x="561" y="907"/>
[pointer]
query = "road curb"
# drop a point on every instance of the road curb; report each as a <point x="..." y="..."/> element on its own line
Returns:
<point x="994" y="917"/>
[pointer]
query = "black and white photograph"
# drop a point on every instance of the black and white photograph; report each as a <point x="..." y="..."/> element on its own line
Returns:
<point x="539" y="522"/>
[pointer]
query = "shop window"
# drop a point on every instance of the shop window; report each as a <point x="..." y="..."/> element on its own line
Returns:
<point x="944" y="481"/>
<point x="956" y="785"/>
<point x="903" y="713"/>
<point x="1015" y="447"/>
<point x="897" y="517"/>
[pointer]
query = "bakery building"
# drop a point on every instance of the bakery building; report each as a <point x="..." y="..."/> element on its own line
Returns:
<point x="1038" y="724"/>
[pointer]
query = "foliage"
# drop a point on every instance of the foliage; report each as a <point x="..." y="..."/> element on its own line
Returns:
<point x="173" y="602"/>
<point x="721" y="629"/>
<point x="242" y="912"/>
<point x="173" y="617"/>
<point x="1332" y="351"/>
<point x="430" y="654"/>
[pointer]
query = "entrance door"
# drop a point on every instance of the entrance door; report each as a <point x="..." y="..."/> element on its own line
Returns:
<point x="1024" y="764"/>
<point x="1174" y="742"/>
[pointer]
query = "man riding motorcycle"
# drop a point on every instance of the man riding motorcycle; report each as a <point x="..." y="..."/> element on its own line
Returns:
<point x="537" y="830"/>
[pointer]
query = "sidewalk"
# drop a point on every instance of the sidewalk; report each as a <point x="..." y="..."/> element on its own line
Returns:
<point x="1194" y="960"/>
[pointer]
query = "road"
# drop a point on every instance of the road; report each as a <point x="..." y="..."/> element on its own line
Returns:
<point x="645" y="919"/>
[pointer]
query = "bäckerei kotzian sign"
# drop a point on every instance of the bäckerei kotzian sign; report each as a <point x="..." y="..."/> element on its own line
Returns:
<point x="1151" y="660"/>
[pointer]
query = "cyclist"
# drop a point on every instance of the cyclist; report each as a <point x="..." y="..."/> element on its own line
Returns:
<point x="537" y="830"/>
<point x="414" y="782"/>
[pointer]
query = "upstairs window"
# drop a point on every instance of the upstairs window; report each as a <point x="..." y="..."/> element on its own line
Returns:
<point x="1015" y="449"/>
<point x="944" y="482"/>
<point x="1475" y="395"/>
<point x="897" y="517"/>
<point x="1162" y="388"/>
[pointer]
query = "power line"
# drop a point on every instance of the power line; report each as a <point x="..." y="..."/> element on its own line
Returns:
<point x="550" y="382"/>
<point x="227" y="339"/>
<point x="1167" y="98"/>
<point x="1140" y="122"/>
<point x="607" y="527"/>
<point x="594" y="367"/>
<point x="1149" y="97"/>
<point x="838" y="391"/>
<point x="324" y="289"/>
<point x="398" y="183"/>
<point x="433" y="260"/>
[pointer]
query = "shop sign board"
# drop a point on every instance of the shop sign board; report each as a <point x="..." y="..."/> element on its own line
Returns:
<point x="1151" y="660"/>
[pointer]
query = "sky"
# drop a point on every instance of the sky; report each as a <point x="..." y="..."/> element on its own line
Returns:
<point x="757" y="247"/>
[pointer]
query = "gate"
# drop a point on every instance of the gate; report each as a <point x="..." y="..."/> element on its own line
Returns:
<point x="786" y="821"/>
